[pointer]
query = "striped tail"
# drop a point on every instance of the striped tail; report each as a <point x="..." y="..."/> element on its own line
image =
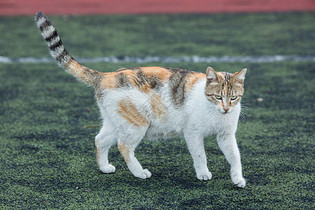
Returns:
<point x="58" y="52"/>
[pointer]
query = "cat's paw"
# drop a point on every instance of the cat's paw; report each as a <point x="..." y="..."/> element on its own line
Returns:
<point x="204" y="175"/>
<point x="239" y="181"/>
<point x="144" y="174"/>
<point x="108" y="169"/>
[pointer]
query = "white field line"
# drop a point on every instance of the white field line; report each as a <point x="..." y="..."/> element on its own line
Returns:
<point x="158" y="59"/>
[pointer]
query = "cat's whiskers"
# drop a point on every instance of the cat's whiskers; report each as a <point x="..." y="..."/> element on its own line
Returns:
<point x="244" y="111"/>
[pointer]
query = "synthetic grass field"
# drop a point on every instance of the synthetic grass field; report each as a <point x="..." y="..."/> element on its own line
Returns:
<point x="48" y="120"/>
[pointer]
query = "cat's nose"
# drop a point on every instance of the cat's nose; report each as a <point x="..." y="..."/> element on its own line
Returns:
<point x="226" y="109"/>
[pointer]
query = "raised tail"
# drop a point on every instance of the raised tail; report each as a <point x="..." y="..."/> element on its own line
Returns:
<point x="58" y="52"/>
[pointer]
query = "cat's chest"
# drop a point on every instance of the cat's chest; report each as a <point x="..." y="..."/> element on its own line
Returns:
<point x="204" y="117"/>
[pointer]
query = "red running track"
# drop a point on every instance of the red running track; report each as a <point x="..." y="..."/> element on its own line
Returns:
<point x="85" y="7"/>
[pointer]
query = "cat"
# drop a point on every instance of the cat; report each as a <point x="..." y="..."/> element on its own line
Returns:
<point x="154" y="102"/>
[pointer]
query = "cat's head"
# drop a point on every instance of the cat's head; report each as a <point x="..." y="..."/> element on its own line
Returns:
<point x="225" y="90"/>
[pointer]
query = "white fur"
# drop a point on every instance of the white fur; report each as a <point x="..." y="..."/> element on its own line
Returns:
<point x="40" y="21"/>
<point x="55" y="53"/>
<point x="48" y="31"/>
<point x="53" y="41"/>
<point x="196" y="119"/>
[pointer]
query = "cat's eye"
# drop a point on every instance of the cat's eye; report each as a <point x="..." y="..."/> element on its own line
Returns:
<point x="233" y="97"/>
<point x="218" y="97"/>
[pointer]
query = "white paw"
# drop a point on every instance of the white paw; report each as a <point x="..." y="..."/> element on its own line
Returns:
<point x="108" y="169"/>
<point x="144" y="174"/>
<point x="204" y="175"/>
<point x="239" y="181"/>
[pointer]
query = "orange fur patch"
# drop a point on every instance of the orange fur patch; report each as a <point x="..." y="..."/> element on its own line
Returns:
<point x="158" y="108"/>
<point x="83" y="73"/>
<point x="109" y="80"/>
<point x="192" y="79"/>
<point x="124" y="151"/>
<point x="141" y="83"/>
<point x="73" y="66"/>
<point x="130" y="113"/>
<point x="160" y="72"/>
<point x="129" y="73"/>
<point x="132" y="76"/>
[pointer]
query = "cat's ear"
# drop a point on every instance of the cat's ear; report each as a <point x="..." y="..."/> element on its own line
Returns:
<point x="211" y="74"/>
<point x="240" y="76"/>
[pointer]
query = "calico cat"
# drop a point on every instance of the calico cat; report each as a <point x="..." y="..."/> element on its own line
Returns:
<point x="155" y="102"/>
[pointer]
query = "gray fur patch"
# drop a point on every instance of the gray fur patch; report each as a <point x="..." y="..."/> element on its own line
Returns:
<point x="154" y="82"/>
<point x="141" y="78"/>
<point x="63" y="58"/>
<point x="122" y="81"/>
<point x="94" y="75"/>
<point x="177" y="86"/>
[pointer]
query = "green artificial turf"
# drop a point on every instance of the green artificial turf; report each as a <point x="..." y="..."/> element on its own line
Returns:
<point x="48" y="120"/>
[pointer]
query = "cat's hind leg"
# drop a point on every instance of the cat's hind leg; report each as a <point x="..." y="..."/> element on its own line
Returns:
<point x="127" y="143"/>
<point x="106" y="138"/>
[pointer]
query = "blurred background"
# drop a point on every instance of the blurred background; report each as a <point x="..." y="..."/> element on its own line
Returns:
<point x="27" y="7"/>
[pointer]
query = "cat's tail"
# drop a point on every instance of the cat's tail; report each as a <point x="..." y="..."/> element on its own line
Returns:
<point x="58" y="52"/>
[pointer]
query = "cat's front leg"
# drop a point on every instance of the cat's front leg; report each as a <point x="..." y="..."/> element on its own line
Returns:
<point x="228" y="145"/>
<point x="196" y="148"/>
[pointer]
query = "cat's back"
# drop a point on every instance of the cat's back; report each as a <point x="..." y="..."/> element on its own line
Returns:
<point x="147" y="79"/>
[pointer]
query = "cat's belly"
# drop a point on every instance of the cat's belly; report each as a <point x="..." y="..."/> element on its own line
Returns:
<point x="169" y="127"/>
<point x="154" y="132"/>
